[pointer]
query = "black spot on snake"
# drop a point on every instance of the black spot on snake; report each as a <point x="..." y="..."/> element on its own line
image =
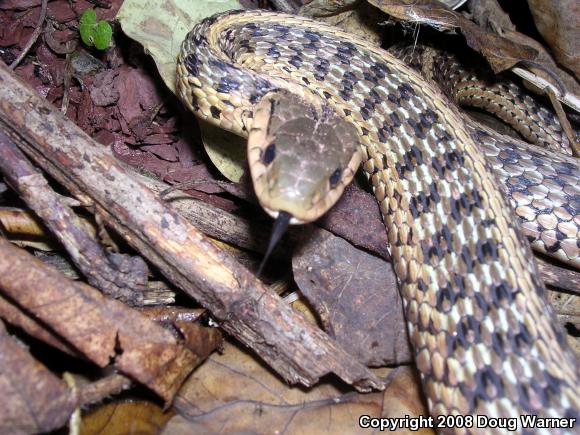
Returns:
<point x="384" y="132"/>
<point x="406" y="91"/>
<point x="445" y="300"/>
<point x="435" y="197"/>
<point x="501" y="293"/>
<point x="342" y="58"/>
<point x="456" y="210"/>
<point x="295" y="61"/>
<point x="274" y="52"/>
<point x="335" y="177"/>
<point x="431" y="115"/>
<point x="467" y="258"/>
<point x="469" y="327"/>
<point x="453" y="159"/>
<point x="436" y="164"/>
<point x="380" y="70"/>
<point x="523" y="337"/>
<point x="346" y="90"/>
<point x="215" y="112"/>
<point x="444" y="136"/>
<point x="489" y="385"/>
<point x="349" y="76"/>
<point x="477" y="200"/>
<point x="393" y="99"/>
<point x="459" y="284"/>
<point x="269" y="154"/>
<point x="417" y="128"/>
<point x="395" y="119"/>
<point x="370" y="78"/>
<point x="376" y="98"/>
<point x="487" y="250"/>
<point x="192" y="64"/>
<point x="497" y="344"/>
<point x="413" y="208"/>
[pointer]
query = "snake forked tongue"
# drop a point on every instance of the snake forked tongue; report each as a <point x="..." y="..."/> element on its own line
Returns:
<point x="278" y="229"/>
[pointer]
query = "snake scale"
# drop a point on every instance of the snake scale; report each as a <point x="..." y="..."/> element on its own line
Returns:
<point x="485" y="340"/>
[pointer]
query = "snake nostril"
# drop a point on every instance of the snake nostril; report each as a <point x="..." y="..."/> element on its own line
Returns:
<point x="335" y="177"/>
<point x="269" y="154"/>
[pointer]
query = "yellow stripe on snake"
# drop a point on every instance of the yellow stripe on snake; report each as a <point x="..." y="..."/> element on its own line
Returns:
<point x="486" y="342"/>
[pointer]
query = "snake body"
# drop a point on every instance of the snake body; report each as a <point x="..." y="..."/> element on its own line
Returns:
<point x="485" y="340"/>
<point x="472" y="83"/>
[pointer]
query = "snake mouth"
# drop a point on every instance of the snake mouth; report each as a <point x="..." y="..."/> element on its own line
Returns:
<point x="275" y="214"/>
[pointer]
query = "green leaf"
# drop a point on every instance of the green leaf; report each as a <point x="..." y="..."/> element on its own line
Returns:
<point x="92" y="33"/>
<point x="89" y="17"/>
<point x="86" y="25"/>
<point x="102" y="35"/>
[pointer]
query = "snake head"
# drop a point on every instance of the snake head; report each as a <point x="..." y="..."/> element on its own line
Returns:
<point x="300" y="158"/>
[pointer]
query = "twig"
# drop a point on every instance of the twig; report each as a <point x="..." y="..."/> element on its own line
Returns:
<point x="117" y="275"/>
<point x="567" y="280"/>
<point x="104" y="388"/>
<point x="564" y="122"/>
<point x="34" y="36"/>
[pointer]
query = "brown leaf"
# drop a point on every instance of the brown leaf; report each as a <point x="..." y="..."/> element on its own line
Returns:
<point x="138" y="417"/>
<point x="356" y="296"/>
<point x="233" y="393"/>
<point x="201" y="340"/>
<point x="558" y="21"/>
<point x="357" y="218"/>
<point x="15" y="316"/>
<point x="33" y="399"/>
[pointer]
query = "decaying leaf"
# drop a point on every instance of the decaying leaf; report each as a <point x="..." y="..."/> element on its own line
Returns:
<point x="356" y="217"/>
<point x="558" y="21"/>
<point x="17" y="317"/>
<point x="33" y="399"/>
<point x="233" y="393"/>
<point x="138" y="417"/>
<point x="356" y="296"/>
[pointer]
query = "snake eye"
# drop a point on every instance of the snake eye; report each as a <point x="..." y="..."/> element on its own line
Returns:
<point x="269" y="154"/>
<point x="335" y="177"/>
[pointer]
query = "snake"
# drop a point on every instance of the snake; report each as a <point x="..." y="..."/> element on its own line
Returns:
<point x="485" y="340"/>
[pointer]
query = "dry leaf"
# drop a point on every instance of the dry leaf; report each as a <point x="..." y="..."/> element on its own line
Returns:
<point x="233" y="393"/>
<point x="122" y="418"/>
<point x="33" y="399"/>
<point x="558" y="21"/>
<point x="356" y="296"/>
